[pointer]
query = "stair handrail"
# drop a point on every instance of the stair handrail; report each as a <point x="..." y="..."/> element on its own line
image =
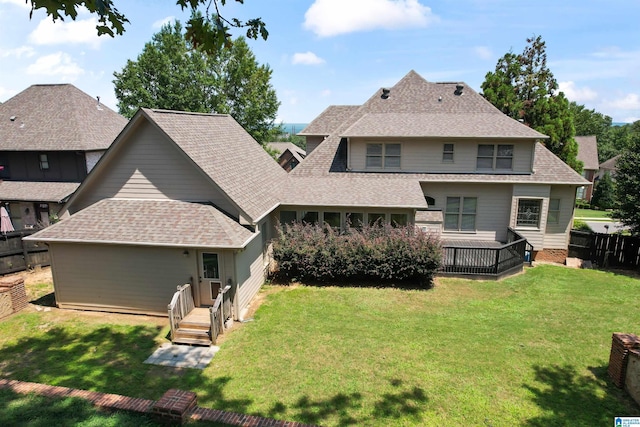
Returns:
<point x="181" y="304"/>
<point x="217" y="314"/>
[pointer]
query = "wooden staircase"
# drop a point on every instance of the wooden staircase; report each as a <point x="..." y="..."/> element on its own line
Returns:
<point x="195" y="328"/>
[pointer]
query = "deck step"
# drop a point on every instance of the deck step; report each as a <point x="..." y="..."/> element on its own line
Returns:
<point x="192" y="333"/>
<point x="192" y="324"/>
<point x="192" y="341"/>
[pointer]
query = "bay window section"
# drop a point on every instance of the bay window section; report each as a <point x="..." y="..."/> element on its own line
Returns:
<point x="529" y="213"/>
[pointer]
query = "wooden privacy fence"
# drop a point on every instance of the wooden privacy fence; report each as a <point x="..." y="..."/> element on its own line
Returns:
<point x="220" y="312"/>
<point x="18" y="255"/>
<point x="605" y="250"/>
<point x="493" y="260"/>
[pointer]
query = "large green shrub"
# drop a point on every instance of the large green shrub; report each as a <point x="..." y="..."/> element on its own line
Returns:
<point x="379" y="253"/>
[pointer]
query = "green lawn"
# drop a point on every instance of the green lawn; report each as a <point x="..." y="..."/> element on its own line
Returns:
<point x="530" y="350"/>
<point x="589" y="213"/>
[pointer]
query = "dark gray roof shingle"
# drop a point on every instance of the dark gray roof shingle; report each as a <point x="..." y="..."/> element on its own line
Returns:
<point x="588" y="151"/>
<point x="57" y="117"/>
<point x="224" y="151"/>
<point x="36" y="191"/>
<point x="148" y="222"/>
<point x="418" y="108"/>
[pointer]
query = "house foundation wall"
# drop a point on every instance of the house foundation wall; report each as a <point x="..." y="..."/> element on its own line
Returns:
<point x="551" y="255"/>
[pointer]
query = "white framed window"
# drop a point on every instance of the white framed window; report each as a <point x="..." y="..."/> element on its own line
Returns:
<point x="495" y="157"/>
<point x="529" y="213"/>
<point x="447" y="153"/>
<point x="355" y="219"/>
<point x="383" y="156"/>
<point x="332" y="219"/>
<point x="553" y="216"/>
<point x="376" y="219"/>
<point x="288" y="217"/>
<point x="399" y="219"/>
<point x="460" y="213"/>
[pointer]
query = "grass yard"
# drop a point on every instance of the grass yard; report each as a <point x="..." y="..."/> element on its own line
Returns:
<point x="530" y="350"/>
<point x="589" y="213"/>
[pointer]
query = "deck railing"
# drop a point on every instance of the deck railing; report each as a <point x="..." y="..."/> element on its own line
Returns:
<point x="486" y="261"/>
<point x="181" y="304"/>
<point x="220" y="312"/>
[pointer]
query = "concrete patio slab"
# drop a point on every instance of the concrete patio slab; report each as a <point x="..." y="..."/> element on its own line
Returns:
<point x="182" y="356"/>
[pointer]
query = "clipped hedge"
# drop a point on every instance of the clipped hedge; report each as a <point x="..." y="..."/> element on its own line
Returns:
<point x="309" y="252"/>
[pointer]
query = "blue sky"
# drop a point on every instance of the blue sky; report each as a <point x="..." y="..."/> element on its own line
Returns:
<point x="325" y="52"/>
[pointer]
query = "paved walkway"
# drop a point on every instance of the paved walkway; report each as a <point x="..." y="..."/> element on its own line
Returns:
<point x="182" y="356"/>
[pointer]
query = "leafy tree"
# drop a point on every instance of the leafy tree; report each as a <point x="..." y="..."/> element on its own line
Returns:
<point x="604" y="193"/>
<point x="590" y="122"/>
<point x="169" y="74"/>
<point x="627" y="185"/>
<point x="208" y="31"/>
<point x="524" y="88"/>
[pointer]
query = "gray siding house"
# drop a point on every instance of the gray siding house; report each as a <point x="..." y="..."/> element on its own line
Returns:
<point x="479" y="171"/>
<point x="50" y="137"/>
<point x="173" y="201"/>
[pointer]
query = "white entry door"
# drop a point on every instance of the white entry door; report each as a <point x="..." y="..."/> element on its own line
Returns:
<point x="210" y="277"/>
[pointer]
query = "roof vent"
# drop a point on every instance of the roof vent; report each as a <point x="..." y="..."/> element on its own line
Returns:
<point x="459" y="89"/>
<point x="12" y="118"/>
<point x="439" y="99"/>
<point x="98" y="106"/>
<point x="385" y="93"/>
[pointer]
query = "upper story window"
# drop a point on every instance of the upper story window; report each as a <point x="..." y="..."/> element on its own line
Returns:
<point x="460" y="213"/>
<point x="495" y="157"/>
<point x="447" y="153"/>
<point x="383" y="156"/>
<point x="44" y="162"/>
<point x="529" y="213"/>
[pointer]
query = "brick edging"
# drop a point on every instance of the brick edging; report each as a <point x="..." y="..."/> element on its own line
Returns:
<point x="169" y="400"/>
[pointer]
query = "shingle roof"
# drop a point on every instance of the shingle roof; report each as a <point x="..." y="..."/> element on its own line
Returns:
<point x="36" y="191"/>
<point x="57" y="117"/>
<point x="148" y="222"/>
<point x="447" y="114"/>
<point x="281" y="147"/>
<point x="610" y="165"/>
<point x="354" y="191"/>
<point x="329" y="120"/>
<point x="588" y="151"/>
<point x="224" y="151"/>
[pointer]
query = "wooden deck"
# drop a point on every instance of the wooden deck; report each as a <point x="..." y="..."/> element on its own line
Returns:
<point x="194" y="328"/>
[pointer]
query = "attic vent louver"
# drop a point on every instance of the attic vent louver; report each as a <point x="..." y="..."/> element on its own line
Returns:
<point x="385" y="93"/>
<point x="459" y="89"/>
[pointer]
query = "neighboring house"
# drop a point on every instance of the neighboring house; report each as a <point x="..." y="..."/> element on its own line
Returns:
<point x="50" y="138"/>
<point x="289" y="154"/>
<point x="478" y="170"/>
<point x="608" y="166"/>
<point x="588" y="155"/>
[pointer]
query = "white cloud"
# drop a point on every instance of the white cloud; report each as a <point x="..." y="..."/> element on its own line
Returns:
<point x="21" y="3"/>
<point x="6" y="93"/>
<point x="630" y="102"/>
<point x="328" y="18"/>
<point x="57" y="64"/>
<point x="307" y="58"/>
<point x="82" y="31"/>
<point x="162" y="22"/>
<point x="577" y="94"/>
<point x="631" y="119"/>
<point x="19" y="52"/>
<point x="483" y="52"/>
